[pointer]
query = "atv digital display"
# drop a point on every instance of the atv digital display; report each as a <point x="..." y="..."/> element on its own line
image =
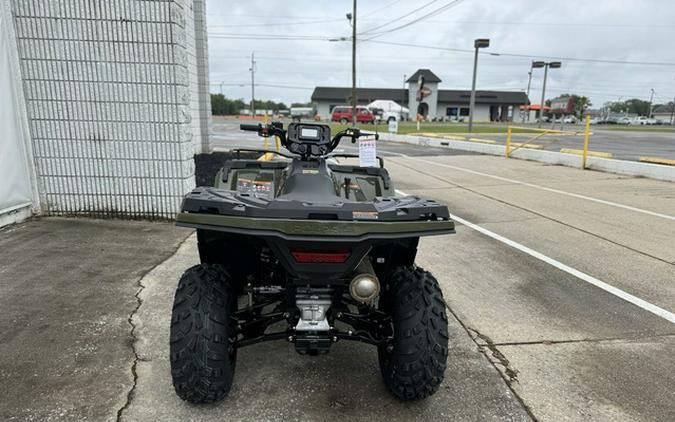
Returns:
<point x="309" y="133"/>
<point x="308" y="139"/>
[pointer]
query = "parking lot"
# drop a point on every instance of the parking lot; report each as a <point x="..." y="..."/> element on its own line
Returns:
<point x="622" y="144"/>
<point x="559" y="282"/>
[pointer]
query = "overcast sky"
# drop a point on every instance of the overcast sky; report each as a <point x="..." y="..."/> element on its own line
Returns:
<point x="612" y="30"/>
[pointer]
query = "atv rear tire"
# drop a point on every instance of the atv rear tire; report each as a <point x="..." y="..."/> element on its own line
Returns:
<point x="202" y="355"/>
<point x="413" y="363"/>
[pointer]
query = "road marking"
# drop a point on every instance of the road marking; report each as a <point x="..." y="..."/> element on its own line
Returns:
<point x="649" y="307"/>
<point x="658" y="160"/>
<point x="532" y="185"/>
<point x="573" y="151"/>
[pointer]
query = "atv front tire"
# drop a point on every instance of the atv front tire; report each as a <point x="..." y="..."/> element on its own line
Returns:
<point x="202" y="355"/>
<point x="413" y="363"/>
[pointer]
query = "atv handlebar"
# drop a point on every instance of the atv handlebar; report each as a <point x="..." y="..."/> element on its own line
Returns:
<point x="301" y="148"/>
<point x="250" y="128"/>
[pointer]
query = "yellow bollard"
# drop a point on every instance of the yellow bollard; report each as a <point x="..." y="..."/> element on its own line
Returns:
<point x="587" y="135"/>
<point x="508" y="141"/>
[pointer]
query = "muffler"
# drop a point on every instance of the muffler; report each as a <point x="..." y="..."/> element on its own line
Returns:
<point x="365" y="286"/>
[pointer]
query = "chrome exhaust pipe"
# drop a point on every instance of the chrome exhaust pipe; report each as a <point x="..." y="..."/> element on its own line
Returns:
<point x="365" y="286"/>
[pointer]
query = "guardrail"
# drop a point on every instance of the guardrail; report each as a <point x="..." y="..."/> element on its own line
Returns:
<point x="630" y="168"/>
<point x="544" y="132"/>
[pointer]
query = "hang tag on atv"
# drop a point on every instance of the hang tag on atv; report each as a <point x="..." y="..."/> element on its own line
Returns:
<point x="367" y="153"/>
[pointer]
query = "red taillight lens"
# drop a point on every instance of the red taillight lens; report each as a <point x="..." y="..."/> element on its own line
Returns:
<point x="313" y="257"/>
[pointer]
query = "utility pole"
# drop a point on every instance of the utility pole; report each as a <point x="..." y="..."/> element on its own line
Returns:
<point x="354" y="64"/>
<point x="252" y="69"/>
<point x="651" y="99"/>
<point x="403" y="99"/>
<point x="529" y="83"/>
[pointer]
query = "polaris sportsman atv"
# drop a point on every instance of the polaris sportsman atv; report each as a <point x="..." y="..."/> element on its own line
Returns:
<point x="310" y="250"/>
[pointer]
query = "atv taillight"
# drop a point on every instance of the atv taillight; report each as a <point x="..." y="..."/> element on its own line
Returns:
<point x="313" y="257"/>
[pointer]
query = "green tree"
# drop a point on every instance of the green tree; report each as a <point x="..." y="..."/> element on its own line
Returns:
<point x="632" y="106"/>
<point x="218" y="105"/>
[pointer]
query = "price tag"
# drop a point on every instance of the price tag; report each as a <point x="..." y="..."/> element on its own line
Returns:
<point x="367" y="153"/>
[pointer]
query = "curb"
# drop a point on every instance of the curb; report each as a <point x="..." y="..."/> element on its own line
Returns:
<point x="630" y="168"/>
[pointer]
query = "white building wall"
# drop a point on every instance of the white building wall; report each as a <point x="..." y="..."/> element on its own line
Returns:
<point x="18" y="188"/>
<point x="111" y="101"/>
<point x="481" y="111"/>
<point x="323" y="110"/>
<point x="202" y="64"/>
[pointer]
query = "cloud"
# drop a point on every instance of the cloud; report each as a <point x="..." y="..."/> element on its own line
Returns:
<point x="598" y="29"/>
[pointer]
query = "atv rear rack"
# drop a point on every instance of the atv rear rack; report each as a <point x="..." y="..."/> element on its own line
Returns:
<point x="332" y="230"/>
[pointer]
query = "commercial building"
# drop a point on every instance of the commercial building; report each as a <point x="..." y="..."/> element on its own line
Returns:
<point x="439" y="104"/>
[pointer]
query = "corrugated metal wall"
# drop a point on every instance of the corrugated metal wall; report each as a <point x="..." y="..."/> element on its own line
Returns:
<point x="109" y="90"/>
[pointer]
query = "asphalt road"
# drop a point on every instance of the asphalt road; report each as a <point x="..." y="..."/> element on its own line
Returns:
<point x="560" y="282"/>
<point x="623" y="145"/>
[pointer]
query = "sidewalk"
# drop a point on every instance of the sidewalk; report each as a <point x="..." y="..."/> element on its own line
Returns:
<point x="67" y="290"/>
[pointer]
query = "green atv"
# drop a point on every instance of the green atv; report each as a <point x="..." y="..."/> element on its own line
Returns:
<point x="308" y="249"/>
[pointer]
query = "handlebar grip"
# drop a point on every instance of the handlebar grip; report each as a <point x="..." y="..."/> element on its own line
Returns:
<point x="250" y="128"/>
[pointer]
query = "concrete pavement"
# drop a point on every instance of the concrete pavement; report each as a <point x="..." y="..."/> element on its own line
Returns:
<point x="273" y="382"/>
<point x="67" y="290"/>
<point x="85" y="325"/>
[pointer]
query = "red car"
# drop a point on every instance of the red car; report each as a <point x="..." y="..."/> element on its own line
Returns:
<point x="343" y="114"/>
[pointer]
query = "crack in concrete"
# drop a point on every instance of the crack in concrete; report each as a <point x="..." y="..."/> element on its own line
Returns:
<point x="512" y="377"/>
<point x="130" y="320"/>
<point x="584" y="340"/>
<point x="510" y="373"/>
<point x="134" y="338"/>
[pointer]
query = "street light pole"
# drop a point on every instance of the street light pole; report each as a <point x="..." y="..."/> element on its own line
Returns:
<point x="354" y="64"/>
<point x="479" y="43"/>
<point x="543" y="95"/>
<point x="552" y="65"/>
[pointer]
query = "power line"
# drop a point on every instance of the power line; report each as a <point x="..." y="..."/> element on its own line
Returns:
<point x="270" y="37"/>
<point x="386" y="6"/>
<point x="566" y="24"/>
<point x="528" y="56"/>
<point x="399" y="18"/>
<point x="276" y="24"/>
<point x="414" y="21"/>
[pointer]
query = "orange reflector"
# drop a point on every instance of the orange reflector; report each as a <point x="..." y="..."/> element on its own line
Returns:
<point x="310" y="257"/>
